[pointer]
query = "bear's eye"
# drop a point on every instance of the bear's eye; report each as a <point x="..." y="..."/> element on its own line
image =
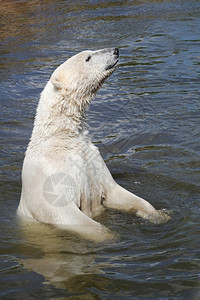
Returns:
<point x="88" y="58"/>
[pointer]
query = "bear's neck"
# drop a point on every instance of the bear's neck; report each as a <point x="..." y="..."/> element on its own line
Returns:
<point x="59" y="114"/>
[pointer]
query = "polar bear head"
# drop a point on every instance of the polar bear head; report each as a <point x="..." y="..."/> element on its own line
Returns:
<point x="82" y="74"/>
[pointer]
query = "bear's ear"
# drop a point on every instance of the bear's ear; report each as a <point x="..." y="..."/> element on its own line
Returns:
<point x="56" y="82"/>
<point x="57" y="78"/>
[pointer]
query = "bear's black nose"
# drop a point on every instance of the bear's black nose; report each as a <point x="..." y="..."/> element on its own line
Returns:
<point x="116" y="51"/>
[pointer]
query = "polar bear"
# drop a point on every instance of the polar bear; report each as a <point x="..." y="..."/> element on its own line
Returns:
<point x="64" y="178"/>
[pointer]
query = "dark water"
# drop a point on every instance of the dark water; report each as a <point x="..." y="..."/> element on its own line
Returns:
<point x="145" y="121"/>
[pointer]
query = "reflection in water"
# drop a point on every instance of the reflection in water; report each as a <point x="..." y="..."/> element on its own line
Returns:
<point x="60" y="256"/>
<point x="146" y="123"/>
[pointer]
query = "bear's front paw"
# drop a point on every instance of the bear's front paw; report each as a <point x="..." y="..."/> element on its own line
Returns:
<point x="160" y="216"/>
<point x="156" y="217"/>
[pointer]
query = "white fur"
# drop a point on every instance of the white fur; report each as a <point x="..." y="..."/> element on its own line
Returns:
<point x="59" y="145"/>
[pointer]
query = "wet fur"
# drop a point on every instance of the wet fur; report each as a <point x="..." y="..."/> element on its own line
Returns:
<point x="60" y="145"/>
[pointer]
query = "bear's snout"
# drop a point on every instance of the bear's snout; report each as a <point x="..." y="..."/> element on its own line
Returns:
<point x="116" y="52"/>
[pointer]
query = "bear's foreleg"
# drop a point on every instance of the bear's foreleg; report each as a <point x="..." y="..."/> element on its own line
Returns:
<point x="83" y="225"/>
<point x="119" y="198"/>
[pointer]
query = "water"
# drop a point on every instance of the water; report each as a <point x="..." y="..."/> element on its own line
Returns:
<point x="145" y="122"/>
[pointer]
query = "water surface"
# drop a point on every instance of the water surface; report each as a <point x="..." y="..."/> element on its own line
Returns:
<point x="145" y="122"/>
